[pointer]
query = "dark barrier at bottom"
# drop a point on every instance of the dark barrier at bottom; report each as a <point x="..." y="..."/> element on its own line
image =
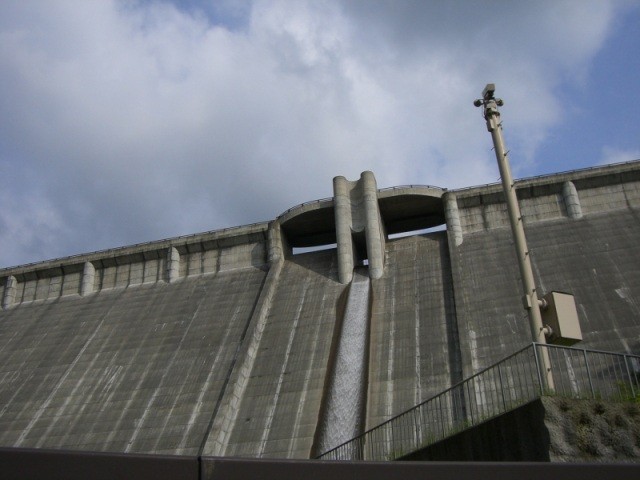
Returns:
<point x="33" y="464"/>
<point x="36" y="464"/>
<point x="236" y="469"/>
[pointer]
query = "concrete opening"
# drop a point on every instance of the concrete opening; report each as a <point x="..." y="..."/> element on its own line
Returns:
<point x="422" y="231"/>
<point x="315" y="248"/>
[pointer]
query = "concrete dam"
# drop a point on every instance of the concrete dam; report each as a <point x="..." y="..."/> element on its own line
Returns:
<point x="252" y="342"/>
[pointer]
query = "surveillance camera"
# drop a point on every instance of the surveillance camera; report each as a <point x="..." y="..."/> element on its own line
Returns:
<point x="478" y="102"/>
<point x="489" y="90"/>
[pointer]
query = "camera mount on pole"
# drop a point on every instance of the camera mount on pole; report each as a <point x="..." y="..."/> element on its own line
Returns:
<point x="531" y="301"/>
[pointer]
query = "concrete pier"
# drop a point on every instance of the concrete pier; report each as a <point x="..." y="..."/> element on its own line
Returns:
<point x="571" y="200"/>
<point x="9" y="296"/>
<point x="88" y="279"/>
<point x="453" y="218"/>
<point x="359" y="228"/>
<point x="173" y="264"/>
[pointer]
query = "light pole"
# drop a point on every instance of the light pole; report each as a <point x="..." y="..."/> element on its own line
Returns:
<point x="531" y="301"/>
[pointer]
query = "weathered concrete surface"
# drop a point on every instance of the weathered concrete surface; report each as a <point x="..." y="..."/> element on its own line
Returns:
<point x="129" y="370"/>
<point x="221" y="343"/>
<point x="279" y="409"/>
<point x="594" y="258"/>
<point x="414" y="352"/>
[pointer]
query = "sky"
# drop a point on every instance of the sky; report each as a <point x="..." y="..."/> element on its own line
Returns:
<point x="130" y="121"/>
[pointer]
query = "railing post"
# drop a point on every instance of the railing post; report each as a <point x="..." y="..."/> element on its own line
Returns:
<point x="626" y="364"/>
<point x="535" y="354"/>
<point x="471" y="403"/>
<point x="586" y="364"/>
<point x="417" y="414"/>
<point x="441" y="417"/>
<point x="504" y="402"/>
<point x="393" y="443"/>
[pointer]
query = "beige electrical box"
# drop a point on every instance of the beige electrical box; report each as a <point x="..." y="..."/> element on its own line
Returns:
<point x="562" y="316"/>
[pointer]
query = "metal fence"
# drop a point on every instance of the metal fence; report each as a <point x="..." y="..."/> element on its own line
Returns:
<point x="595" y="374"/>
<point x="510" y="383"/>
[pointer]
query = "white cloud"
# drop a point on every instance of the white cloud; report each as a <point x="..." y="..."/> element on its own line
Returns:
<point x="618" y="155"/>
<point x="142" y="120"/>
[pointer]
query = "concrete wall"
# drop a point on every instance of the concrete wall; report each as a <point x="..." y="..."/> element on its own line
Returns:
<point x="130" y="266"/>
<point x="128" y="370"/>
<point x="414" y="352"/>
<point x="209" y="345"/>
<point x="280" y="403"/>
<point x="548" y="429"/>
<point x="594" y="257"/>
<point x="517" y="436"/>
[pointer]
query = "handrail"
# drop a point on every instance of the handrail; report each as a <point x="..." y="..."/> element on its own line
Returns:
<point x="497" y="389"/>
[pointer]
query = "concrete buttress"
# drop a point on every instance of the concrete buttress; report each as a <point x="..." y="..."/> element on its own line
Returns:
<point x="9" y="292"/>
<point x="571" y="200"/>
<point x="88" y="279"/>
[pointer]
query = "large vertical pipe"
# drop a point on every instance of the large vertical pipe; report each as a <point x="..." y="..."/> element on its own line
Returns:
<point x="373" y="225"/>
<point x="532" y="302"/>
<point x="342" y="206"/>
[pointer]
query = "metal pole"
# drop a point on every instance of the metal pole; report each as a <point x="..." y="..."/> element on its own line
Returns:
<point x="504" y="402"/>
<point x="626" y="364"/>
<point x="531" y="301"/>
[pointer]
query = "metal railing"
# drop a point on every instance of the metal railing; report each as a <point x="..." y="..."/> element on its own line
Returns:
<point x="504" y="386"/>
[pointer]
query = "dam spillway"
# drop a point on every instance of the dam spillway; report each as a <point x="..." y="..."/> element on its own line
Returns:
<point x="344" y="411"/>
<point x="224" y="342"/>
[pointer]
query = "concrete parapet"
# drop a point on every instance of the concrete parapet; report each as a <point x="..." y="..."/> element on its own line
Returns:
<point x="453" y="218"/>
<point x="88" y="279"/>
<point x="136" y="266"/>
<point x="357" y="213"/>
<point x="173" y="264"/>
<point x="9" y="296"/>
<point x="571" y="200"/>
<point x="552" y="197"/>
<point x="278" y="245"/>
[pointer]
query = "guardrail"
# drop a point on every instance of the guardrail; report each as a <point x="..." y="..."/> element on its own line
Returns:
<point x="504" y="386"/>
